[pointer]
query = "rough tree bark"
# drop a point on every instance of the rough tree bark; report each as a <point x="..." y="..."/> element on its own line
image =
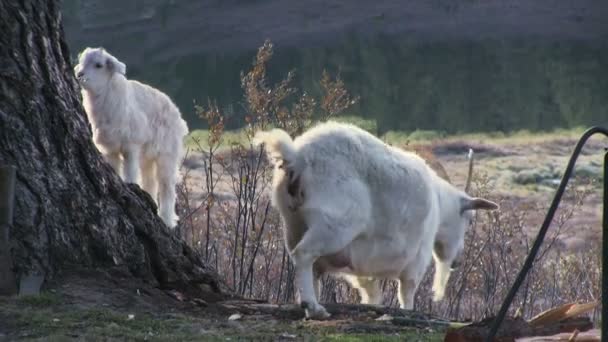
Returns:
<point x="71" y="209"/>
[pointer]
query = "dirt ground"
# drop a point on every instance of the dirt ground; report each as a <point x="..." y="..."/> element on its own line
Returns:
<point x="101" y="305"/>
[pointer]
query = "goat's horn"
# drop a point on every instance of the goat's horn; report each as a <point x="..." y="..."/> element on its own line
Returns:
<point x="470" y="174"/>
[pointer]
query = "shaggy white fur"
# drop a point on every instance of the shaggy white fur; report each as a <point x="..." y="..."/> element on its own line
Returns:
<point x="356" y="207"/>
<point x="135" y="126"/>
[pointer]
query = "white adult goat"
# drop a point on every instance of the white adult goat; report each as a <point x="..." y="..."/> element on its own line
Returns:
<point x="135" y="125"/>
<point x="355" y="206"/>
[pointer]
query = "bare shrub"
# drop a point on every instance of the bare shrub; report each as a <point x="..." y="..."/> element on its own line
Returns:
<point x="496" y="247"/>
<point x="238" y="232"/>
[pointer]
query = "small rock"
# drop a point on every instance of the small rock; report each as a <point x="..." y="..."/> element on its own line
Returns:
<point x="30" y="284"/>
<point x="385" y="317"/>
<point x="200" y="302"/>
<point x="588" y="171"/>
<point x="554" y="183"/>
<point x="130" y="317"/>
<point x="235" y="317"/>
<point x="288" y="336"/>
<point x="177" y="295"/>
<point x="193" y="162"/>
<point x="55" y="319"/>
<point x="535" y="176"/>
<point x="526" y="177"/>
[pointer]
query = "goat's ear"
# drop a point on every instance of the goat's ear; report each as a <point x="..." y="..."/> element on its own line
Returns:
<point x="114" y="65"/>
<point x="477" y="203"/>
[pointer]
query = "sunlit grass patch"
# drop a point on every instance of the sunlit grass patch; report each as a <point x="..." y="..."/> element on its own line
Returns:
<point x="198" y="138"/>
<point x="400" y="138"/>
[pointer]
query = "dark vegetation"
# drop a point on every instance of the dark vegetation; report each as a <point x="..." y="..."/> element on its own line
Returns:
<point x="448" y="66"/>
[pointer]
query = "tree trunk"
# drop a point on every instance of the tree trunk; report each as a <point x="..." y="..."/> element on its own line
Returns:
<point x="71" y="208"/>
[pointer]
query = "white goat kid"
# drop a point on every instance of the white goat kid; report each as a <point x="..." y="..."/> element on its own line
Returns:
<point x="356" y="207"/>
<point x="135" y="126"/>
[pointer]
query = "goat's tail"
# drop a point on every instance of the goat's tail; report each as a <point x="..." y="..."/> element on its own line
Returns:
<point x="280" y="148"/>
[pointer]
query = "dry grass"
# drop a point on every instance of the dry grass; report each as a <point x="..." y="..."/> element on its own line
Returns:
<point x="421" y="137"/>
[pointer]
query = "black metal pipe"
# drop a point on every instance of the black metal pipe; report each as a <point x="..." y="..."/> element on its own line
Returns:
<point x="7" y="195"/>
<point x="543" y="231"/>
<point x="605" y="253"/>
<point x="8" y="285"/>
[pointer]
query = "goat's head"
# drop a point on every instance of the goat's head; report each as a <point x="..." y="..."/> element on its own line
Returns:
<point x="462" y="210"/>
<point x="96" y="67"/>
<point x="459" y="217"/>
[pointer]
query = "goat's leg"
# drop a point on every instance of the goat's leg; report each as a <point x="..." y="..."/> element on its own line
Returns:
<point x="314" y="244"/>
<point x="114" y="160"/>
<point x="370" y="291"/>
<point x="167" y="178"/>
<point x="443" y="268"/>
<point x="410" y="278"/>
<point x="131" y="164"/>
<point x="440" y="279"/>
<point x="407" y="290"/>
<point x="304" y="279"/>
<point x="317" y="274"/>
<point x="148" y="178"/>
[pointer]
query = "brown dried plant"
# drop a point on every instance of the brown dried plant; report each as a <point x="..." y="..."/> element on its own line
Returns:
<point x="266" y="104"/>
<point x="275" y="105"/>
<point x="336" y="98"/>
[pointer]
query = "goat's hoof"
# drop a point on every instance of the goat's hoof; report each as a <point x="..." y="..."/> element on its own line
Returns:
<point x="317" y="312"/>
